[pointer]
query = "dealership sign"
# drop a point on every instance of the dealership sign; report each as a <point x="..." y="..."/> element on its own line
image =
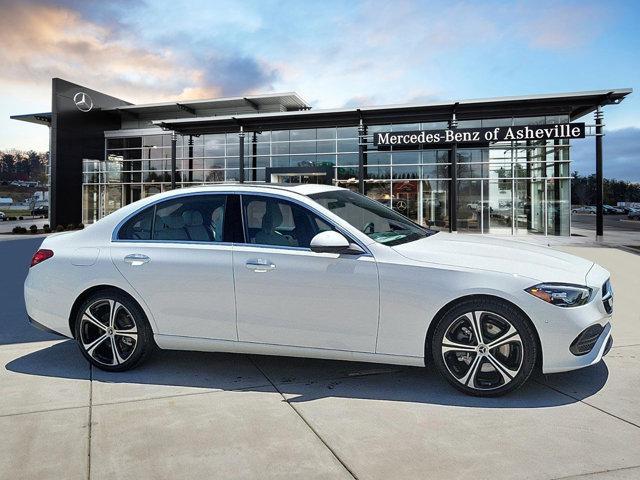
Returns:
<point x="480" y="135"/>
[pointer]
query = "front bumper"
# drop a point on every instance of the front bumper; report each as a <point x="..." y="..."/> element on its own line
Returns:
<point x="574" y="362"/>
<point x="558" y="328"/>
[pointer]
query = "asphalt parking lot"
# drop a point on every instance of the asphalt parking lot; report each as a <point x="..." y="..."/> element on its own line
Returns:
<point x="199" y="415"/>
<point x="611" y="223"/>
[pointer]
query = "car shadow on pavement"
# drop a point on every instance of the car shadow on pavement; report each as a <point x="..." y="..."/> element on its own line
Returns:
<point x="303" y="380"/>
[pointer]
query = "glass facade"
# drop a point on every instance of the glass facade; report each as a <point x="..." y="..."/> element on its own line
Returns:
<point x="508" y="187"/>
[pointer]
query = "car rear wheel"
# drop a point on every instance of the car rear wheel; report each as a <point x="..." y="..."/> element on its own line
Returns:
<point x="112" y="331"/>
<point x="484" y="347"/>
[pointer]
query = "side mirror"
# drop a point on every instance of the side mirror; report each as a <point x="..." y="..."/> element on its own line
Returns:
<point x="333" y="242"/>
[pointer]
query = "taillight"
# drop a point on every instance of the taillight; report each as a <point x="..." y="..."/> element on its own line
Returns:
<point x="40" y="256"/>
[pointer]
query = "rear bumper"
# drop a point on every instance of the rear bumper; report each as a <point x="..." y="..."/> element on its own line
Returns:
<point x="43" y="328"/>
<point x="44" y="304"/>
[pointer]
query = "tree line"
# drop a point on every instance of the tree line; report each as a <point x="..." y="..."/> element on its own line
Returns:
<point x="23" y="165"/>
<point x="583" y="190"/>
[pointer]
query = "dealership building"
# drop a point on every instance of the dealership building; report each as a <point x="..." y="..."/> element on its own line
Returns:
<point x="499" y="165"/>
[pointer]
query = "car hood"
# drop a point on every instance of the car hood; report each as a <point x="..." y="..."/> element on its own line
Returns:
<point x="505" y="256"/>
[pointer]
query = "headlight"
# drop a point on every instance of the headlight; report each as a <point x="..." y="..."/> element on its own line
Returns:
<point x="560" y="294"/>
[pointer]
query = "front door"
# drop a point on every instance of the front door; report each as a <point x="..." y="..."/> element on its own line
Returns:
<point x="175" y="256"/>
<point x="288" y="295"/>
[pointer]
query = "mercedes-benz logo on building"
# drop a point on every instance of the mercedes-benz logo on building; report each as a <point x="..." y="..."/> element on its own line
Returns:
<point x="83" y="101"/>
<point x="401" y="205"/>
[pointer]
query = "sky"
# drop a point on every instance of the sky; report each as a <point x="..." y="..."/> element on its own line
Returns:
<point x="332" y="53"/>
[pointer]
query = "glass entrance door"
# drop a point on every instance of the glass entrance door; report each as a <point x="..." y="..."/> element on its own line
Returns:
<point x="405" y="199"/>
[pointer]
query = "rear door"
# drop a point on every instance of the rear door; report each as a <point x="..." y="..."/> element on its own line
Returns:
<point x="175" y="254"/>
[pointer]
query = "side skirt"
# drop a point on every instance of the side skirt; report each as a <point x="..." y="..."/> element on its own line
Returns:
<point x="174" y="342"/>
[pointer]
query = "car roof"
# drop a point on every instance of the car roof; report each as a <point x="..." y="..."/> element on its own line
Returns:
<point x="301" y="188"/>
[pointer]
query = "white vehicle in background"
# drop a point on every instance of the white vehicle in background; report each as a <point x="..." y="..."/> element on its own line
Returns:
<point x="634" y="214"/>
<point x="586" y="209"/>
<point x="3" y="217"/>
<point x="317" y="271"/>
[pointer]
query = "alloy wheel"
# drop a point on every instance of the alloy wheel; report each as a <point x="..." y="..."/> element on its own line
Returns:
<point x="482" y="350"/>
<point x="108" y="332"/>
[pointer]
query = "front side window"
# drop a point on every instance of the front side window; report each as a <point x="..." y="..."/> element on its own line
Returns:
<point x="196" y="218"/>
<point x="372" y="218"/>
<point x="278" y="222"/>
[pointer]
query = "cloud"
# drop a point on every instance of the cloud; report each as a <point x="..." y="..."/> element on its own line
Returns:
<point x="621" y="154"/>
<point x="236" y="75"/>
<point x="559" y="27"/>
<point x="41" y="41"/>
<point x="360" y="101"/>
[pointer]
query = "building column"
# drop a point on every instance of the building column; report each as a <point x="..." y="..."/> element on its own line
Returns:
<point x="190" y="158"/>
<point x="599" y="175"/>
<point x="254" y="156"/>
<point x="174" y="142"/>
<point x="556" y="188"/>
<point x="453" y="188"/>
<point x="362" y="155"/>
<point x="241" y="155"/>
<point x="529" y="206"/>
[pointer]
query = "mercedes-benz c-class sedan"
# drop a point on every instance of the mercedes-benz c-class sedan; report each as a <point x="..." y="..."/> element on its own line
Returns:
<point x="317" y="271"/>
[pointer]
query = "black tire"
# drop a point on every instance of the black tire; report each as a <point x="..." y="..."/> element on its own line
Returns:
<point x="133" y="344"/>
<point x="517" y="348"/>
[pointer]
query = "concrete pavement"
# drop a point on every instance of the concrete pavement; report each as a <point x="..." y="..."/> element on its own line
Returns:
<point x="198" y="415"/>
<point x="7" y="226"/>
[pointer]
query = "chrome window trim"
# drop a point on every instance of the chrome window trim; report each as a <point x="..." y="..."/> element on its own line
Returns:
<point x="179" y="242"/>
<point x="116" y="230"/>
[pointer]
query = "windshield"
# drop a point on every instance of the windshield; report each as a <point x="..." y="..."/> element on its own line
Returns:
<point x="372" y="218"/>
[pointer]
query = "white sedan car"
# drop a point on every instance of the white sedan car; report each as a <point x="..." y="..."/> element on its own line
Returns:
<point x="317" y="271"/>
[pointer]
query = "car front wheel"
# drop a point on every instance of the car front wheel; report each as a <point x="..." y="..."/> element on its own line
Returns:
<point x="484" y="347"/>
<point x="112" y="331"/>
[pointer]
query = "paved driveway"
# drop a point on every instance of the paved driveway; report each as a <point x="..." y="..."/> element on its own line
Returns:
<point x="199" y="415"/>
<point x="7" y="226"/>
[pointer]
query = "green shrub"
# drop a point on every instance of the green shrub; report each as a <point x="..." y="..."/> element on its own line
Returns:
<point x="46" y="228"/>
<point x="60" y="228"/>
<point x="80" y="226"/>
<point x="19" y="230"/>
<point x="71" y="226"/>
<point x="33" y="229"/>
<point x="20" y="218"/>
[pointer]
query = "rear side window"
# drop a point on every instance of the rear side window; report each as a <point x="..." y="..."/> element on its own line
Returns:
<point x="198" y="218"/>
<point x="138" y="227"/>
<point x="193" y="218"/>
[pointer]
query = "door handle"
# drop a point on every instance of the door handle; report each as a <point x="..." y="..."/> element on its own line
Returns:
<point x="136" y="259"/>
<point x="260" y="265"/>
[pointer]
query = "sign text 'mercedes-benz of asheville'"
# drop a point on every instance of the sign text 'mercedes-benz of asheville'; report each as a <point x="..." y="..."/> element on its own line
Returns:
<point x="480" y="135"/>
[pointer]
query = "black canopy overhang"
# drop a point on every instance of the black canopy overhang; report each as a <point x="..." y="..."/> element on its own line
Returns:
<point x="574" y="105"/>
